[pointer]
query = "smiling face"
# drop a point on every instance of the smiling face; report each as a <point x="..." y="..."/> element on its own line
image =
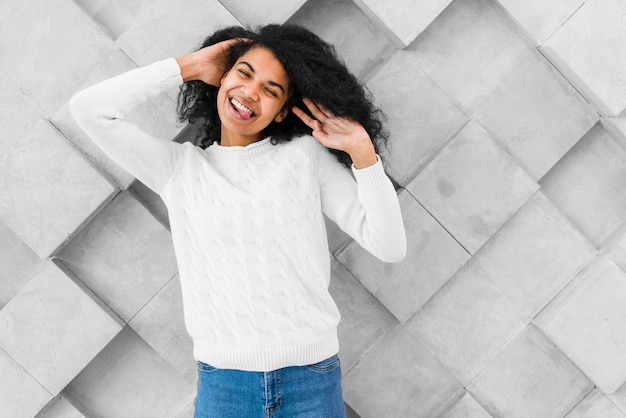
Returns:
<point x="252" y="94"/>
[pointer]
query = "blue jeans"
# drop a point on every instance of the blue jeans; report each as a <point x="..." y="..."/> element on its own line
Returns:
<point x="312" y="391"/>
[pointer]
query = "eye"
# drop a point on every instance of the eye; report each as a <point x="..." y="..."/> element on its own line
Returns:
<point x="271" y="92"/>
<point x="244" y="73"/>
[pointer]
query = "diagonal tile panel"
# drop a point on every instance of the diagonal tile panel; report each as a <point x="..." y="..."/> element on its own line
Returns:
<point x="533" y="257"/>
<point x="433" y="256"/>
<point x="360" y="44"/>
<point x="469" y="50"/>
<point x="161" y="324"/>
<point x="17" y="264"/>
<point x="466" y="407"/>
<point x="467" y="323"/>
<point x="124" y="255"/>
<point x="157" y="32"/>
<point x="420" y="116"/>
<point x="472" y="165"/>
<point x="373" y="391"/>
<point x="60" y="408"/>
<point x="539" y="18"/>
<point x="589" y="50"/>
<point x="21" y="396"/>
<point x="115" y="17"/>
<point x="18" y="112"/>
<point x="47" y="189"/>
<point x="364" y="320"/>
<point x="587" y="185"/>
<point x="53" y="329"/>
<point x="128" y="379"/>
<point x="157" y="117"/>
<point x="595" y="405"/>
<point x="617" y="253"/>
<point x="262" y="12"/>
<point x="587" y="322"/>
<point x="536" y="115"/>
<point x="617" y="127"/>
<point x="404" y="19"/>
<point x="63" y="45"/>
<point x="530" y="378"/>
<point x="619" y="398"/>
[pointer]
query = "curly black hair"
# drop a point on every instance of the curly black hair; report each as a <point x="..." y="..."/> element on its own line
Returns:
<point x="315" y="72"/>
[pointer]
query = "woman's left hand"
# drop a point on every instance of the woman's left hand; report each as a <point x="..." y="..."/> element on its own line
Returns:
<point x="339" y="133"/>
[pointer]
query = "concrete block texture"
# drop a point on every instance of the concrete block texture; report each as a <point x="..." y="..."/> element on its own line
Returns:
<point x="433" y="257"/>
<point x="364" y="320"/>
<point x="60" y="407"/>
<point x="540" y="19"/>
<point x="17" y="264"/>
<point x="534" y="256"/>
<point x="160" y="323"/>
<point x="361" y="44"/>
<point x="129" y="366"/>
<point x="62" y="47"/>
<point x="589" y="49"/>
<point x="530" y="378"/>
<point x="466" y="407"/>
<point x="596" y="404"/>
<point x="472" y="164"/>
<point x="587" y="323"/>
<point x="125" y="255"/>
<point x="507" y="124"/>
<point x="373" y="391"/>
<point x="165" y="28"/>
<point x="404" y="19"/>
<point x="421" y="116"/>
<point x="469" y="50"/>
<point x="536" y="115"/>
<point x="21" y="396"/>
<point x="262" y="12"/>
<point x="53" y="329"/>
<point x="586" y="185"/>
<point x="467" y="324"/>
<point x="52" y="187"/>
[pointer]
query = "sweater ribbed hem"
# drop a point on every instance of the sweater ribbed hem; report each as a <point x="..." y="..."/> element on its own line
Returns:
<point x="266" y="359"/>
<point x="371" y="177"/>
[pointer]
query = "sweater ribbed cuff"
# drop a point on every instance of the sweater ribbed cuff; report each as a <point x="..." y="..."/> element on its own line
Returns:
<point x="168" y="72"/>
<point x="371" y="177"/>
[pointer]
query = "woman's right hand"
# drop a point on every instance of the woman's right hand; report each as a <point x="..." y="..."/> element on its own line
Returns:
<point x="208" y="64"/>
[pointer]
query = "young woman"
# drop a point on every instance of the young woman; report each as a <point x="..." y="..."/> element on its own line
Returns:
<point x="246" y="205"/>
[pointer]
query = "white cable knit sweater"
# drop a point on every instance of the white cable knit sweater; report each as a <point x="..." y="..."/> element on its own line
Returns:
<point x="248" y="227"/>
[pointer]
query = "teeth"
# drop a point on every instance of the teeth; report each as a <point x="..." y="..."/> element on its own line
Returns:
<point x="241" y="107"/>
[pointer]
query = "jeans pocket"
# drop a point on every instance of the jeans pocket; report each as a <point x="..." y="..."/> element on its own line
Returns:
<point x="203" y="367"/>
<point x="327" y="365"/>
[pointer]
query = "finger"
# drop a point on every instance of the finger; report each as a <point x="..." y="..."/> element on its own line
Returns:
<point x="318" y="132"/>
<point x="325" y="110"/>
<point x="308" y="121"/>
<point x="315" y="109"/>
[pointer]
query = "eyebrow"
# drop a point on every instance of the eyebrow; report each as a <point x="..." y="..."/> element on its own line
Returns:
<point x="270" y="82"/>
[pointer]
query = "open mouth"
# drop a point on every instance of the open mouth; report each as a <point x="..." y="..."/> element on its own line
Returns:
<point x="244" y="111"/>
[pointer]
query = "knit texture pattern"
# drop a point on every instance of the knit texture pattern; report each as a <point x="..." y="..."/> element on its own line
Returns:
<point x="248" y="227"/>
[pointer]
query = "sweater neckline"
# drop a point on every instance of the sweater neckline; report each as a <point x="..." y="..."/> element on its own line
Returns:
<point x="254" y="148"/>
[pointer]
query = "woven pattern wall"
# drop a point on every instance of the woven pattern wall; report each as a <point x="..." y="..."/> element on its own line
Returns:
<point x="508" y="146"/>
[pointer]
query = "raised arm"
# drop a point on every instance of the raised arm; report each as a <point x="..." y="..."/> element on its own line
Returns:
<point x="100" y="111"/>
<point x="369" y="211"/>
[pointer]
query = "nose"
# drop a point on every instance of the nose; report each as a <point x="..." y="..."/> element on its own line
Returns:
<point x="250" y="91"/>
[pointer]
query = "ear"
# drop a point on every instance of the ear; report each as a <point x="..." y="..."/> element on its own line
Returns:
<point x="281" y="116"/>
